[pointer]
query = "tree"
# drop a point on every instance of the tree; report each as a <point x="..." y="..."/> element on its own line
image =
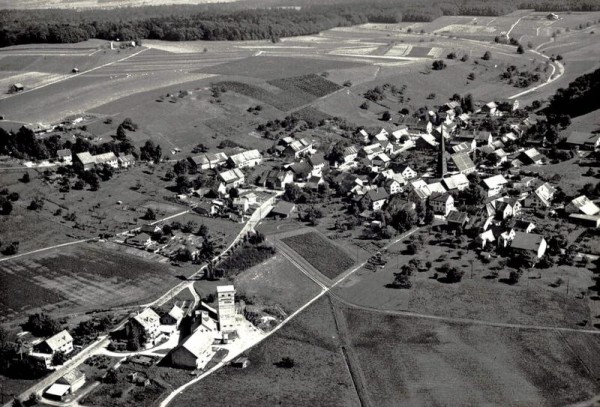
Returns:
<point x="514" y="276"/>
<point x="404" y="219"/>
<point x="438" y="65"/>
<point x="189" y="227"/>
<point x="348" y="84"/>
<point x="150" y="152"/>
<point x="42" y="325"/>
<point x="79" y="185"/>
<point x="365" y="106"/>
<point x="454" y="275"/>
<point x="451" y="55"/>
<point x="203" y="230"/>
<point x="11" y="249"/>
<point x="402" y="280"/>
<point x="17" y="402"/>
<point x="150" y="214"/>
<point x="110" y="377"/>
<point x="286" y="363"/>
<point x="487" y="56"/>
<point x="59" y="358"/>
<point x="386" y="116"/>
<point x="183" y="184"/>
<point x="25" y="178"/>
<point x="121" y="133"/>
<point x="520" y="50"/>
<point x="234" y="193"/>
<point x="6" y="206"/>
<point x="36" y="204"/>
<point x="93" y="181"/>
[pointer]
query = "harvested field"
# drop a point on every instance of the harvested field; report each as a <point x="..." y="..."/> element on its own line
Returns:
<point x="311" y="114"/>
<point x="80" y="278"/>
<point x="419" y="362"/>
<point x="270" y="67"/>
<point x="321" y="253"/>
<point x="283" y="101"/>
<point x="312" y="84"/>
<point x="319" y="377"/>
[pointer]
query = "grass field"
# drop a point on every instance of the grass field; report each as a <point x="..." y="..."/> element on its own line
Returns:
<point x="416" y="362"/>
<point x="319" y="376"/>
<point x="320" y="252"/>
<point x="82" y="278"/>
<point x="277" y="281"/>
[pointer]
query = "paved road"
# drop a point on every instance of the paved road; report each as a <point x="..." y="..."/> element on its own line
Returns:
<point x="181" y="389"/>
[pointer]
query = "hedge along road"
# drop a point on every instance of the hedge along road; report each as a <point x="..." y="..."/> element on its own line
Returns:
<point x="324" y="290"/>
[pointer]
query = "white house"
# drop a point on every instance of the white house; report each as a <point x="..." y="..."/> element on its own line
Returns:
<point x="250" y="158"/>
<point x="493" y="185"/>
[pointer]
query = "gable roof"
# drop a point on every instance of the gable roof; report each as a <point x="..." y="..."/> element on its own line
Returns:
<point x="455" y="181"/>
<point x="585" y="206"/>
<point x="581" y="138"/>
<point x="232" y="175"/>
<point x="377" y="194"/>
<point x="147" y="318"/>
<point x="176" y="313"/>
<point x="545" y="192"/>
<point x="456" y="217"/>
<point x="64" y="153"/>
<point x="462" y="161"/>
<point x="198" y="342"/>
<point x="495" y="181"/>
<point x="283" y="208"/>
<point x="60" y="339"/>
<point x="73" y="376"/>
<point x="245" y="156"/>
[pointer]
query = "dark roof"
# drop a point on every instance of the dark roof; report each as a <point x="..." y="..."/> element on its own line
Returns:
<point x="437" y="196"/>
<point x="301" y="168"/>
<point x="317" y="159"/>
<point x="581" y="138"/>
<point x="377" y="194"/>
<point x="457" y="217"/>
<point x="283" y="208"/>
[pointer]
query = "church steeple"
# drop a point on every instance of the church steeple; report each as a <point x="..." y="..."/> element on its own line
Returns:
<point x="442" y="165"/>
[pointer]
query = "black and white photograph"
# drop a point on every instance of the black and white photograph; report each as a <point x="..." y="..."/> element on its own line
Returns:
<point x="300" y="203"/>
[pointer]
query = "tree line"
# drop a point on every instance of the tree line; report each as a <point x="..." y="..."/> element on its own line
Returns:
<point x="234" y="22"/>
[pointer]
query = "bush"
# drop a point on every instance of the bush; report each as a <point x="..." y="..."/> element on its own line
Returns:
<point x="454" y="275"/>
<point x="487" y="56"/>
<point x="286" y="363"/>
<point x="438" y="65"/>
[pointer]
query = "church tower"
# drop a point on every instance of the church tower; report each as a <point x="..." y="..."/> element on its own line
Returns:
<point x="442" y="164"/>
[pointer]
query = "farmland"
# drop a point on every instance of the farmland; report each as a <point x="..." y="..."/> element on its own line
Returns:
<point x="320" y="252"/>
<point x="82" y="278"/>
<point x="319" y="375"/>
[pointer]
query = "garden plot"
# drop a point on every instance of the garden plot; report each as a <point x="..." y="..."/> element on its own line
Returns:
<point x="354" y="51"/>
<point x="466" y="29"/>
<point x="312" y="84"/>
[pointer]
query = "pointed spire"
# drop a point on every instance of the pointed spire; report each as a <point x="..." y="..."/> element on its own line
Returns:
<point x="442" y="165"/>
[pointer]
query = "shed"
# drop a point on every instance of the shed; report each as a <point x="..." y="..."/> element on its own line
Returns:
<point x="283" y="209"/>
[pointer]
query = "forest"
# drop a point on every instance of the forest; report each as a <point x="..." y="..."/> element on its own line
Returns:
<point x="269" y="20"/>
<point x="579" y="98"/>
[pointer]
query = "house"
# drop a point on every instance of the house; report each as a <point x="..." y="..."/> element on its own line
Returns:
<point x="542" y="197"/>
<point x="67" y="384"/>
<point x="406" y="172"/>
<point x="491" y="108"/>
<point x="426" y="142"/>
<point x="301" y="170"/>
<point x="441" y="203"/>
<point x="232" y="178"/>
<point x="241" y="363"/>
<point x="250" y="158"/>
<point x="65" y="156"/>
<point x="141" y="239"/>
<point x="61" y="342"/>
<point x="390" y="174"/>
<point x="463" y="119"/>
<point x="371" y="151"/>
<point x="208" y="161"/>
<point x="349" y="155"/>
<point x="150" y="229"/>
<point x="376" y="198"/>
<point x="282" y="210"/>
<point x="314" y="181"/>
<point x="493" y="185"/>
<point x="381" y="136"/>
<point x="392" y="186"/>
<point x="397" y="135"/>
<point x="531" y="156"/>
<point x="276" y="179"/>
<point x="457" y="219"/>
<point x="463" y="147"/>
<point x="148" y="322"/>
<point x="531" y="245"/>
<point x="501" y="156"/>
<point x="363" y="135"/>
<point x="483" y="138"/>
<point x="590" y="221"/>
<point x="317" y="162"/>
<point x="459" y="182"/>
<point x="525" y="182"/>
<point x="462" y="163"/>
<point x="206" y="208"/>
<point x="504" y="210"/>
<point x="196" y="351"/>
<point x="582" y="204"/>
<point x="86" y="159"/>
<point x="173" y="317"/>
<point x="108" y="159"/>
<point x="552" y="16"/>
<point x="381" y="160"/>
<point x="521" y="225"/>
<point x="417" y="125"/>
<point x="509" y="137"/>
<point x="419" y="190"/>
<point x="584" y="141"/>
<point x="298" y="148"/>
<point x="485" y="238"/>
<point x="126" y="161"/>
<point x="17" y="87"/>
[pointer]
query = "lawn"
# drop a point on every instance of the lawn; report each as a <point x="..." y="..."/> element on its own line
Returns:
<point x="321" y="253"/>
<point x="420" y="362"/>
<point x="319" y="377"/>
<point x="81" y="278"/>
<point x="276" y="282"/>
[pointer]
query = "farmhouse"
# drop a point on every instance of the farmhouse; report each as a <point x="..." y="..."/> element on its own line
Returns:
<point x="406" y="171"/>
<point x="276" y="179"/>
<point x="529" y="244"/>
<point x="376" y="198"/>
<point x="541" y="197"/>
<point x="65" y="156"/>
<point x="232" y="178"/>
<point x="462" y="163"/>
<point x="67" y="384"/>
<point x="371" y="151"/>
<point x="456" y="219"/>
<point x="141" y="240"/>
<point x="584" y="141"/>
<point x="86" y="159"/>
<point x="298" y="148"/>
<point x="317" y="162"/>
<point x="17" y="87"/>
<point x="441" y="203"/>
<point x="126" y="161"/>
<point x="196" y="351"/>
<point x="458" y="181"/>
<point x="282" y="210"/>
<point x="493" y="185"/>
<point x="148" y="322"/>
<point x="61" y="342"/>
<point x="173" y="317"/>
<point x="426" y="142"/>
<point x="590" y="221"/>
<point x="89" y="161"/>
<point x="582" y="204"/>
<point x="531" y="156"/>
<point x="249" y="158"/>
<point x="301" y="170"/>
<point x="208" y="161"/>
